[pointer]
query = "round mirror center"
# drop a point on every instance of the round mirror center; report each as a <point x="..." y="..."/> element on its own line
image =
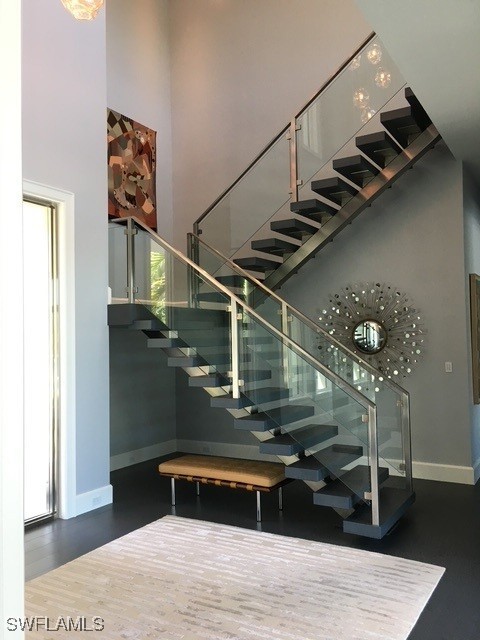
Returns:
<point x="369" y="336"/>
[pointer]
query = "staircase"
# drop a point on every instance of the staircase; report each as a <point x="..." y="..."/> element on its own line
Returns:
<point x="334" y="422"/>
<point x="384" y="156"/>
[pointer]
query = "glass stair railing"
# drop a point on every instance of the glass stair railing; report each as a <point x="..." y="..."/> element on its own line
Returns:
<point x="391" y="400"/>
<point x="358" y="135"/>
<point x="320" y="424"/>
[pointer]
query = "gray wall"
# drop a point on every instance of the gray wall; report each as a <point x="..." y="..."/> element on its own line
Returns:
<point x="240" y="70"/>
<point x="64" y="105"/>
<point x="412" y="237"/>
<point x="142" y="394"/>
<point x="433" y="47"/>
<point x="196" y="420"/>
<point x="471" y="202"/>
<point x="138" y="82"/>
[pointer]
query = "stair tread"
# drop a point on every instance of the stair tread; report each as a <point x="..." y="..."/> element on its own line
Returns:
<point x="255" y="263"/>
<point x="353" y="482"/>
<point x="274" y="245"/>
<point x="379" y="147"/>
<point x="356" y="168"/>
<point x="263" y="421"/>
<point x="308" y="468"/>
<point x="401" y="124"/>
<point x="298" y="440"/>
<point x="306" y="207"/>
<point x="208" y="380"/>
<point x="393" y="503"/>
<point x="293" y="228"/>
<point x="337" y="456"/>
<point x="227" y="401"/>
<point x="421" y="116"/>
<point x="166" y="343"/>
<point x="334" y="189"/>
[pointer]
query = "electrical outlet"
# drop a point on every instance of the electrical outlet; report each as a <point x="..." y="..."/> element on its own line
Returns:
<point x="448" y="367"/>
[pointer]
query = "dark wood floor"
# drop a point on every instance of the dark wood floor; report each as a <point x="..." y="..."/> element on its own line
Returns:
<point x="443" y="527"/>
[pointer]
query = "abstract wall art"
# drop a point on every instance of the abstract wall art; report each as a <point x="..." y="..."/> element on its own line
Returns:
<point x="131" y="169"/>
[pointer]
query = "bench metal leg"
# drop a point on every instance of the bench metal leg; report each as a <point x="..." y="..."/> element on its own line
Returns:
<point x="280" y="499"/>
<point x="198" y="487"/>
<point x="172" y="482"/>
<point x="259" y="507"/>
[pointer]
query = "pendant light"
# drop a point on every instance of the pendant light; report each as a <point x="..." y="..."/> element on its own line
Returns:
<point x="83" y="9"/>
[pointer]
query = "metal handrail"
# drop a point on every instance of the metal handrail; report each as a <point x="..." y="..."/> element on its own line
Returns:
<point x="265" y="150"/>
<point x="331" y="375"/>
<point x="303" y="318"/>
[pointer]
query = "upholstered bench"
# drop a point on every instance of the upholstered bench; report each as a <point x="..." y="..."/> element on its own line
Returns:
<point x="252" y="475"/>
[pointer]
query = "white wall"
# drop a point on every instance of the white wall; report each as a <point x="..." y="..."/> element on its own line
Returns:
<point x="412" y="237"/>
<point x="138" y="82"/>
<point x="11" y="347"/>
<point x="64" y="130"/>
<point x="240" y="71"/>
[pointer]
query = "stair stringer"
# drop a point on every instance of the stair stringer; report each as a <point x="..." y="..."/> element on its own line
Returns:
<point x="354" y="207"/>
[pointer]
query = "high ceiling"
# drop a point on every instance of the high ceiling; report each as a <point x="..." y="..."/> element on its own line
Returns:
<point x="436" y="45"/>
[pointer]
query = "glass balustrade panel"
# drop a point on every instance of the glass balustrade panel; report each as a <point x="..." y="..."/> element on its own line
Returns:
<point x="238" y="282"/>
<point x="346" y="106"/>
<point x="117" y="262"/>
<point x="251" y="202"/>
<point x="318" y="415"/>
<point x="200" y="330"/>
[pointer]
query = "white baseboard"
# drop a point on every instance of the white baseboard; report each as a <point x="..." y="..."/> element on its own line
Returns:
<point x="421" y="470"/>
<point x="444" y="472"/>
<point x="247" y="451"/>
<point x="142" y="455"/>
<point x="94" y="499"/>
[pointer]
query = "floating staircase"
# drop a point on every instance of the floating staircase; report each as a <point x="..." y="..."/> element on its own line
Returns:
<point x="233" y="335"/>
<point x="356" y="181"/>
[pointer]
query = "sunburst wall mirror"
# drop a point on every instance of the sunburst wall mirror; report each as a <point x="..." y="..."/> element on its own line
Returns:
<point x="379" y="324"/>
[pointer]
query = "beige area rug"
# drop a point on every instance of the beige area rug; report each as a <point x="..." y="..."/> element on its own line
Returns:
<point x="187" y="579"/>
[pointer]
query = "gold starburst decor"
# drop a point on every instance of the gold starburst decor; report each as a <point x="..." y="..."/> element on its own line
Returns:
<point x="379" y="324"/>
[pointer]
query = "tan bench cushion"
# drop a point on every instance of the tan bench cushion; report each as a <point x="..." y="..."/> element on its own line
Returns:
<point x="254" y="472"/>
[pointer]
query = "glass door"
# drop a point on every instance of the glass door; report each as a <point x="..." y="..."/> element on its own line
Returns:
<point x="41" y="359"/>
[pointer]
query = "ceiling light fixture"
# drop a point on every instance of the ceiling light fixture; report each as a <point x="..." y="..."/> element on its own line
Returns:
<point x="83" y="9"/>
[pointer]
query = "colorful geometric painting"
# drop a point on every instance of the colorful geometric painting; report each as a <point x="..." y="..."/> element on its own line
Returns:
<point x="131" y="169"/>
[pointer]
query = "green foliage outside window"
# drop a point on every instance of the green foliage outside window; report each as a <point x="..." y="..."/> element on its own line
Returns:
<point x="158" y="282"/>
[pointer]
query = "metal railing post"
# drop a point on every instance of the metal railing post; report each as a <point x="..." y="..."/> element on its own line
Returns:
<point x="373" y="461"/>
<point x="294" y="181"/>
<point x="407" y="439"/>
<point x="130" y="233"/>
<point x="285" y="349"/>
<point x="234" y="342"/>
<point x="193" y="254"/>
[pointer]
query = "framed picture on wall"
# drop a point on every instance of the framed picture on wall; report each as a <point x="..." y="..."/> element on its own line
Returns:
<point x="131" y="169"/>
<point x="475" y="328"/>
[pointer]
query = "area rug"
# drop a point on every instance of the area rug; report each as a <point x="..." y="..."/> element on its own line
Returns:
<point x="186" y="579"/>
